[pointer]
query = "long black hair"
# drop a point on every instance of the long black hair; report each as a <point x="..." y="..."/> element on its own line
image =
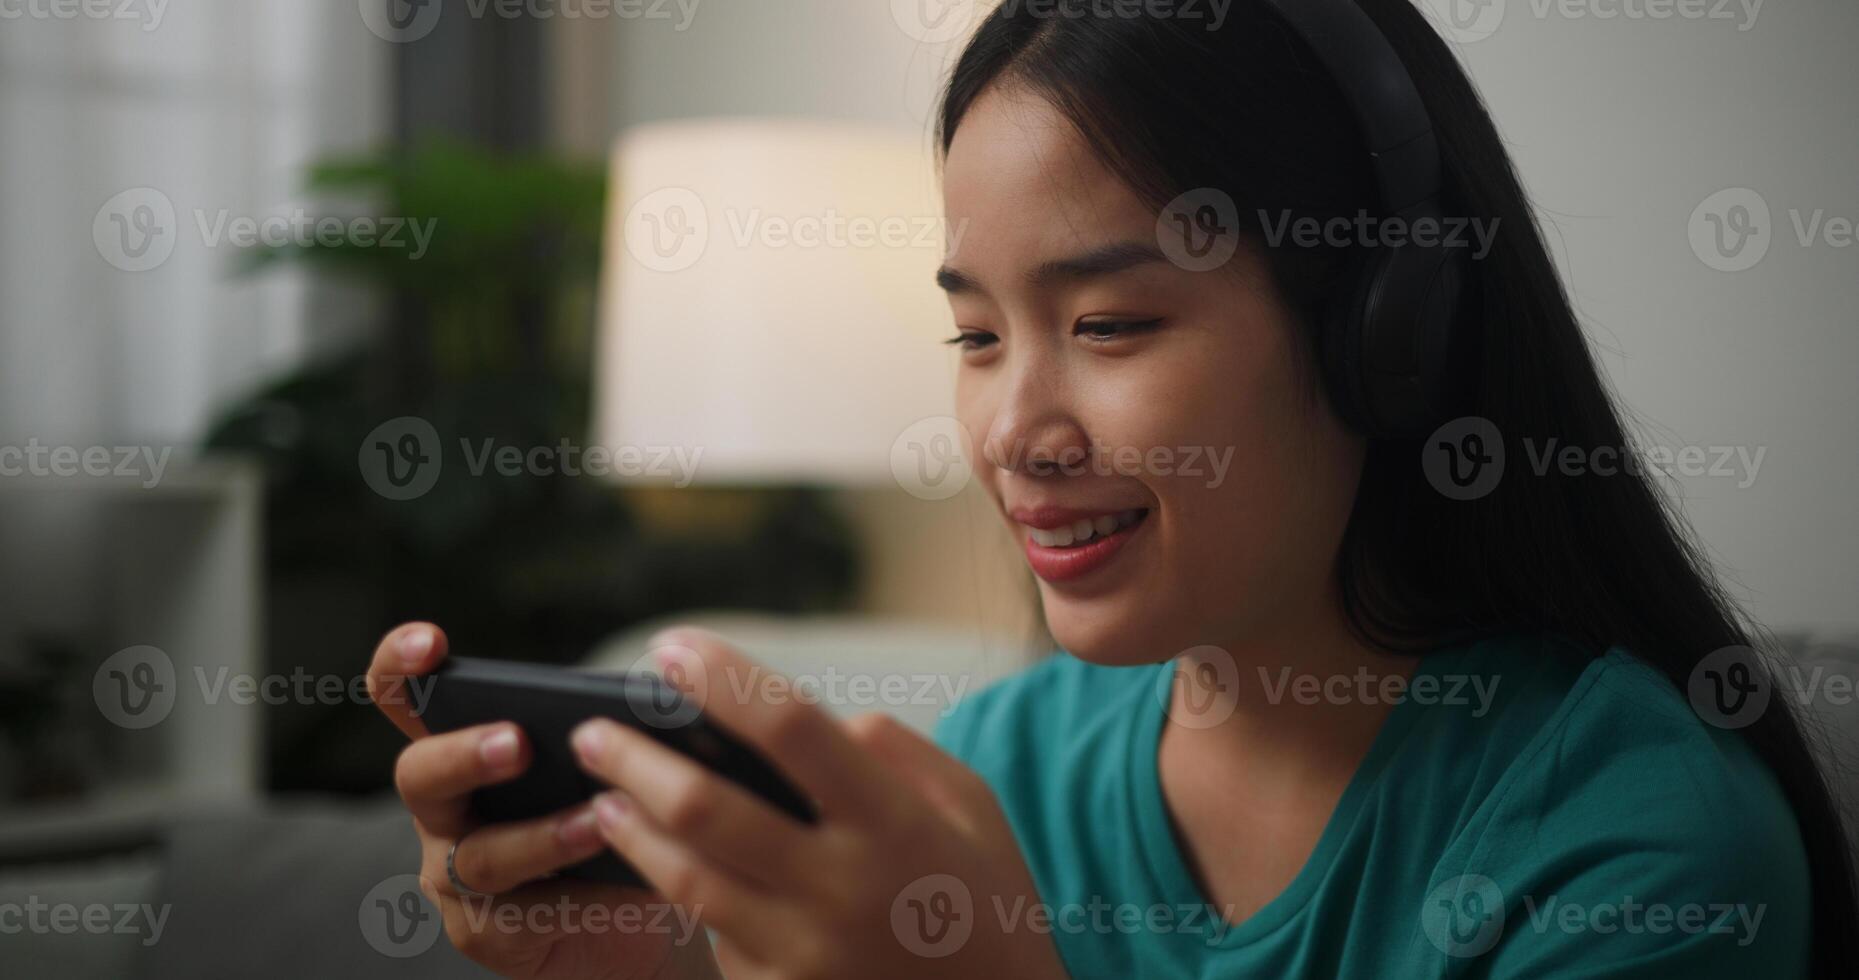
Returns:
<point x="1171" y="106"/>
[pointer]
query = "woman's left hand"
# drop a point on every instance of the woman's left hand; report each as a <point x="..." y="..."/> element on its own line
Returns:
<point x="910" y="871"/>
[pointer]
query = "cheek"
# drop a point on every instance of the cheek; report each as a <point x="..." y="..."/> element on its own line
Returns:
<point x="1263" y="475"/>
<point x="1221" y="391"/>
<point x="974" y="409"/>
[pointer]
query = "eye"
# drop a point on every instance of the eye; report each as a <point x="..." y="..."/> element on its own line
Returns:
<point x="972" y="340"/>
<point x="1106" y="330"/>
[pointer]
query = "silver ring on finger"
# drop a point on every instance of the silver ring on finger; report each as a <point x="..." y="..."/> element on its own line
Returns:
<point x="451" y="873"/>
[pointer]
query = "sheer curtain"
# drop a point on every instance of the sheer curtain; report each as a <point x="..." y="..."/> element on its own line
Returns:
<point x="213" y="106"/>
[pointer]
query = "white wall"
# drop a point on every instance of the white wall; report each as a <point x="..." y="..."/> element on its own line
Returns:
<point x="1622" y="128"/>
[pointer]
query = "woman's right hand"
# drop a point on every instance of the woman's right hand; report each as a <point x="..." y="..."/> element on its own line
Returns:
<point x="526" y="926"/>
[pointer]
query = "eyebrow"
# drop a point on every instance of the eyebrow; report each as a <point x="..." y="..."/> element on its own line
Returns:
<point x="1102" y="261"/>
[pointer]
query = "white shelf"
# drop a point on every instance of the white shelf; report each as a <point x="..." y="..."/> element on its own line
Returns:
<point x="181" y="571"/>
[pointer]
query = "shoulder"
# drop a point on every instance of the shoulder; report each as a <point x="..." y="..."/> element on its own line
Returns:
<point x="1627" y="829"/>
<point x="1626" y="742"/>
<point x="1566" y="719"/>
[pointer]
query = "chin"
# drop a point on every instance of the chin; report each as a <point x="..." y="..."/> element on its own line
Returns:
<point x="1098" y="631"/>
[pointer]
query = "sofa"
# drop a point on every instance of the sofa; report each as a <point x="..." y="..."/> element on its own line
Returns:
<point x="295" y="888"/>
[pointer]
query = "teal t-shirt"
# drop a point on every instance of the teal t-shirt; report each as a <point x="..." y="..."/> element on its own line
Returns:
<point x="1524" y="812"/>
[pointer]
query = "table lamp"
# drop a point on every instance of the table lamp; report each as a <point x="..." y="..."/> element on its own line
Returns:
<point x="768" y="299"/>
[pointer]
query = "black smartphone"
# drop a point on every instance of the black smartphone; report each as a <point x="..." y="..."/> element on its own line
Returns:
<point x="549" y="702"/>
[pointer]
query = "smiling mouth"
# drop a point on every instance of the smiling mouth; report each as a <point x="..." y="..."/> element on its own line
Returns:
<point x="1083" y="531"/>
<point x="1075" y="550"/>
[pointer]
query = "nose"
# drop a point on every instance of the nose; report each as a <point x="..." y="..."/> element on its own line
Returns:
<point x="1034" y="431"/>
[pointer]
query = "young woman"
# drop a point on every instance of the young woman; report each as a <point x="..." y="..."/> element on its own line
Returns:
<point x="1326" y="716"/>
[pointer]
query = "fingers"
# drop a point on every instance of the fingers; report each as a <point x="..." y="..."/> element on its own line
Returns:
<point x="700" y="808"/>
<point x="801" y="740"/>
<point x="436" y="774"/>
<point x="938" y="777"/>
<point x="725" y="903"/>
<point x="404" y="655"/>
<point x="497" y="858"/>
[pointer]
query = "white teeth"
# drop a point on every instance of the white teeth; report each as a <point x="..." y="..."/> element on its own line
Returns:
<point x="1084" y="529"/>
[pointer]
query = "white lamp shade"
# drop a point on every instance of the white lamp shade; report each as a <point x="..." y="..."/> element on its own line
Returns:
<point x="768" y="299"/>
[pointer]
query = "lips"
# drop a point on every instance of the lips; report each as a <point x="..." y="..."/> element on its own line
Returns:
<point x="1065" y="544"/>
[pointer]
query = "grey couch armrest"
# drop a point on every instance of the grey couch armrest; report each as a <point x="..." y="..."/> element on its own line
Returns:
<point x="90" y="917"/>
<point x="306" y="890"/>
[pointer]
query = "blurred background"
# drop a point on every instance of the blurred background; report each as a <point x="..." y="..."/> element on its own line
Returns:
<point x="552" y="322"/>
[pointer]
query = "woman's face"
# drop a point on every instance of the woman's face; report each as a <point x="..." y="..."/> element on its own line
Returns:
<point x="1105" y="384"/>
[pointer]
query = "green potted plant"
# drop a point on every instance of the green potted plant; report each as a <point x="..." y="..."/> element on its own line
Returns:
<point x="488" y="336"/>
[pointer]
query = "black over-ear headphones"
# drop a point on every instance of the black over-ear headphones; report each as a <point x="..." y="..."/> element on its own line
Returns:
<point x="1387" y="338"/>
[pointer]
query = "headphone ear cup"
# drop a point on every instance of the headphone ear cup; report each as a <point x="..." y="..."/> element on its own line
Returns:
<point x="1340" y="340"/>
<point x="1398" y="340"/>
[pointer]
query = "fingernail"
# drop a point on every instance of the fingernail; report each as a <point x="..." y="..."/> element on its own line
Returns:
<point x="672" y="655"/>
<point x="498" y="748"/>
<point x="590" y="742"/>
<point x="612" y="808"/>
<point x="581" y="830"/>
<point x="414" y="645"/>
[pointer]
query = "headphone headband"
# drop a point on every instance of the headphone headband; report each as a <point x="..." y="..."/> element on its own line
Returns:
<point x="1387" y="340"/>
<point x="1381" y="96"/>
